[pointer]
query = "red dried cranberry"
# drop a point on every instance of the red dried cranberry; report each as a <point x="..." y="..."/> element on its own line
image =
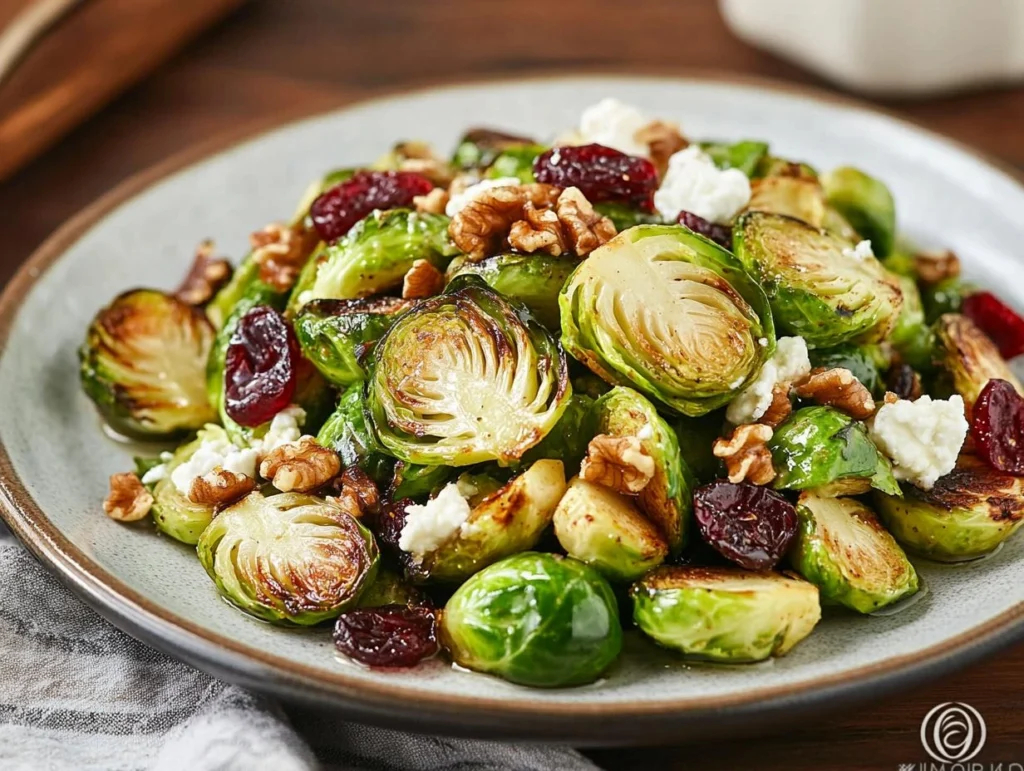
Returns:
<point x="388" y="526"/>
<point x="750" y="525"/>
<point x="260" y="368"/>
<point x="337" y="210"/>
<point x="998" y="321"/>
<point x="903" y="381"/>
<point x="388" y="636"/>
<point x="997" y="426"/>
<point x="720" y="234"/>
<point x="601" y="174"/>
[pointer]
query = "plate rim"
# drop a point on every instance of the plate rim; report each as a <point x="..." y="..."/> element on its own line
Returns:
<point x="379" y="701"/>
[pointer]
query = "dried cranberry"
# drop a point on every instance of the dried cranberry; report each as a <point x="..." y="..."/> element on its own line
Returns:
<point x="388" y="526"/>
<point x="388" y="636"/>
<point x="601" y="174"/>
<point x="997" y="427"/>
<point x="998" y="321"/>
<point x="750" y="525"/>
<point x="260" y="368"/>
<point x="720" y="234"/>
<point x="338" y="209"/>
<point x="903" y="381"/>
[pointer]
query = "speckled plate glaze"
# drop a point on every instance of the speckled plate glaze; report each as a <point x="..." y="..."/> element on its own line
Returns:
<point x="54" y="459"/>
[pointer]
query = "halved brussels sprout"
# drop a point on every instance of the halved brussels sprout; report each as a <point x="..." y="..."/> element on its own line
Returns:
<point x="862" y="360"/>
<point x="867" y="203"/>
<point x="817" y="291"/>
<point x="606" y="530"/>
<point x="346" y="433"/>
<point x="505" y="522"/>
<point x="375" y="255"/>
<point x="466" y="377"/>
<point x="725" y="614"/>
<point x="799" y="197"/>
<point x="173" y="513"/>
<point x="479" y="147"/>
<point x="745" y="155"/>
<point x="142" y="365"/>
<point x="968" y="358"/>
<point x="911" y="337"/>
<point x="836" y="224"/>
<point x="534" y="619"/>
<point x="670" y="313"/>
<point x="289" y="558"/>
<point x="967" y="514"/>
<point x="842" y="548"/>
<point x="667" y="500"/>
<point x="516" y="162"/>
<point x="823" y="449"/>
<point x="335" y="335"/>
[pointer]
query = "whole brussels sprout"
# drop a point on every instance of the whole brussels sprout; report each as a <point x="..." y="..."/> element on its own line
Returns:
<point x="798" y="197"/>
<point x="606" y="530"/>
<point x="817" y="291"/>
<point x="466" y="377"/>
<point x="531" y="279"/>
<point x="346" y="433"/>
<point x="867" y="203"/>
<point x="861" y="360"/>
<point x="842" y="548"/>
<point x="516" y="162"/>
<point x="684" y="324"/>
<point x="289" y="558"/>
<point x="173" y="513"/>
<point x="826" y="450"/>
<point x="480" y="146"/>
<point x="912" y="338"/>
<point x="968" y="359"/>
<point x="624" y="217"/>
<point x="725" y="614"/>
<point x="534" y="619"/>
<point x="745" y="155"/>
<point x="967" y="514"/>
<point x="336" y="334"/>
<point x="142" y="365"/>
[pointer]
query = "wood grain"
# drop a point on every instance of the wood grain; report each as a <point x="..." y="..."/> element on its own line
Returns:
<point x="276" y="56"/>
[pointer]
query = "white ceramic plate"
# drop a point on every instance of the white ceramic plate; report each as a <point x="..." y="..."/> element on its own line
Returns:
<point x="55" y="460"/>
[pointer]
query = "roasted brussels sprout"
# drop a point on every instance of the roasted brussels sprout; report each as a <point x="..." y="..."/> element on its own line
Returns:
<point x="842" y="548"/>
<point x="173" y="513"/>
<point x="867" y="203"/>
<point x="725" y="614"/>
<point x="967" y="513"/>
<point x="335" y="335"/>
<point x="912" y="338"/>
<point x="534" y="619"/>
<point x="799" y="197"/>
<point x="505" y="522"/>
<point x="142" y="365"/>
<point x="606" y="530"/>
<point x="774" y="166"/>
<point x="684" y="324"/>
<point x="417" y="482"/>
<point x="968" y="359"/>
<point x="745" y="155"/>
<point x="466" y="377"/>
<point x="696" y="438"/>
<point x="816" y="290"/>
<point x="516" y="162"/>
<point x="479" y="147"/>
<point x="568" y="440"/>
<point x="823" y="449"/>
<point x="624" y="217"/>
<point x="346" y="433"/>
<point x="289" y="558"/>
<point x="667" y="500"/>
<point x="947" y="296"/>
<point x="389" y="588"/>
<point x="531" y="279"/>
<point x="862" y="360"/>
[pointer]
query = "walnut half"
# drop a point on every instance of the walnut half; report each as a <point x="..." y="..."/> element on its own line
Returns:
<point x="838" y="388"/>
<point x="281" y="251"/>
<point x="480" y="228"/>
<point x="619" y="463"/>
<point x="220" y="488"/>
<point x="422" y="280"/>
<point x="204" y="278"/>
<point x="300" y="466"/>
<point x="746" y="454"/>
<point x="128" y="499"/>
<point x="585" y="229"/>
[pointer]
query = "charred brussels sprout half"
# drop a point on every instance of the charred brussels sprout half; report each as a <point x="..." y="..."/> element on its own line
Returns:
<point x="346" y="433"/>
<point x="745" y="155"/>
<point x="816" y="290"/>
<point x="143" y="364"/>
<point x="862" y="360"/>
<point x="866" y="203"/>
<point x="823" y="449"/>
<point x="842" y="548"/>
<point x="967" y="514"/>
<point x="290" y="558"/>
<point x="670" y="313"/>
<point x="725" y="614"/>
<point x="607" y="531"/>
<point x="798" y="197"/>
<point x="173" y="513"/>
<point x="968" y="359"/>
<point x="534" y="619"/>
<point x="466" y="377"/>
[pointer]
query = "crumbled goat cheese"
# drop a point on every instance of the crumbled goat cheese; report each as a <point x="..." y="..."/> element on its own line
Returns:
<point x="458" y="201"/>
<point x="159" y="472"/>
<point x="613" y="124"/>
<point x="922" y="438"/>
<point x="789" y="363"/>
<point x="861" y="251"/>
<point x="428" y="526"/>
<point x="693" y="183"/>
<point x="213" y="454"/>
<point x="285" y="428"/>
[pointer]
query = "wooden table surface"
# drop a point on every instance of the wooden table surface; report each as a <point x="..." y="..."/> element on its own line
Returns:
<point x="275" y="56"/>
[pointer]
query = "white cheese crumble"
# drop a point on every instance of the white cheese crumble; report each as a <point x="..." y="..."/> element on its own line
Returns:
<point x="789" y="363"/>
<point x="159" y="472"/>
<point x="861" y="251"/>
<point x="213" y="454"/>
<point x="285" y="428"/>
<point x="613" y="124"/>
<point x="428" y="526"/>
<point x="693" y="183"/>
<point x="922" y="438"/>
<point x="458" y="201"/>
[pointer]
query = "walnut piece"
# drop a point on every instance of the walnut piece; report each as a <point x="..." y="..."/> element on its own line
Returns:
<point x="281" y="251"/>
<point x="482" y="225"/>
<point x="746" y="454"/>
<point x="128" y="499"/>
<point x="204" y="278"/>
<point x="890" y="398"/>
<point x="933" y="267"/>
<point x="433" y="202"/>
<point x="780" y="408"/>
<point x="619" y="463"/>
<point x="422" y="280"/>
<point x="584" y="228"/>
<point x="663" y="141"/>
<point x="357" y="493"/>
<point x="220" y="488"/>
<point x="300" y="466"/>
<point x="837" y="388"/>
<point x="538" y="231"/>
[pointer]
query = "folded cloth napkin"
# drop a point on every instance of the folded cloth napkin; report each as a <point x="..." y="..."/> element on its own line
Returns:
<point x="76" y="693"/>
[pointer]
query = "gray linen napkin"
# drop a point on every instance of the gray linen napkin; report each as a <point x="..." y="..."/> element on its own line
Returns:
<point x="76" y="693"/>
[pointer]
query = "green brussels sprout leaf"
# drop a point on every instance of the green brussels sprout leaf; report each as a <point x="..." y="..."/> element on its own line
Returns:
<point x="745" y="155"/>
<point x="867" y="203"/>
